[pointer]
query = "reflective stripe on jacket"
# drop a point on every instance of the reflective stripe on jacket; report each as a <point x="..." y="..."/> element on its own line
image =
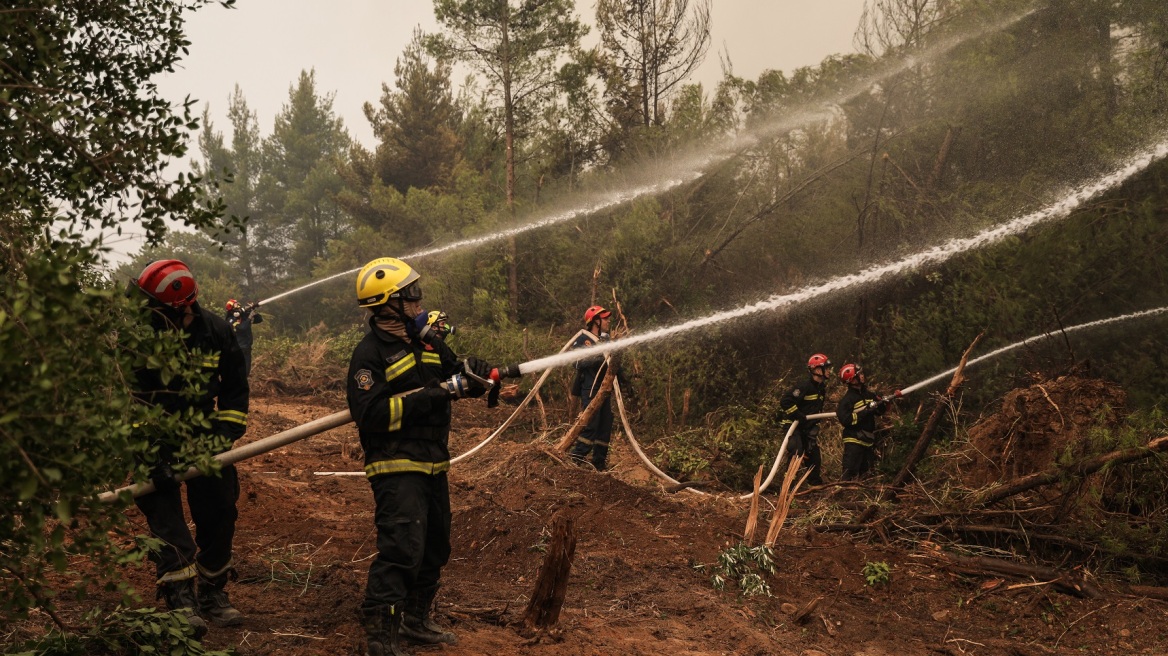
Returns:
<point x="400" y="434"/>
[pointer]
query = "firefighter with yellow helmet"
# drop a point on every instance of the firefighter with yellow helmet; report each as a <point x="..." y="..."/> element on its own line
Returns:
<point x="401" y="406"/>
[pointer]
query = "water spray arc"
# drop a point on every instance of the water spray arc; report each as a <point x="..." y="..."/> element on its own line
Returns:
<point x="1037" y="338"/>
<point x="341" y="418"/>
<point x="690" y="167"/>
<point x="1055" y="211"/>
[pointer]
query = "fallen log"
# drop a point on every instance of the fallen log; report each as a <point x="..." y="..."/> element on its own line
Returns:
<point x="1082" y="468"/>
<point x="1151" y="591"/>
<point x="1071" y="583"/>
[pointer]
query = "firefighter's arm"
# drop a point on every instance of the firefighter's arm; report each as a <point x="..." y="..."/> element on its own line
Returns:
<point x="789" y="406"/>
<point x="234" y="392"/>
<point x="846" y="413"/>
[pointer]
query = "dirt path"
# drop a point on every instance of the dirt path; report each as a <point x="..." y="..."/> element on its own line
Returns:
<point x="304" y="542"/>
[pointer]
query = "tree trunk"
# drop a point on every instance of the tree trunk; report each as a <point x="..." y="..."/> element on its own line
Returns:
<point x="543" y="611"/>
<point x="509" y="123"/>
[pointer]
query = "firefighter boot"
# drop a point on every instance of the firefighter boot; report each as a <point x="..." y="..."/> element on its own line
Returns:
<point x="214" y="604"/>
<point x="382" y="631"/>
<point x="416" y="622"/>
<point x="180" y="596"/>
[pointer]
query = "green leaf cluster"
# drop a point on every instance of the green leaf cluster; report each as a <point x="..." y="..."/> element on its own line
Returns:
<point x="86" y="139"/>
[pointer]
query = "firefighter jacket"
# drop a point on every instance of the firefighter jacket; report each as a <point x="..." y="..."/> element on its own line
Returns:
<point x="857" y="415"/>
<point x="804" y="399"/>
<point x="400" y="432"/>
<point x="224" y="400"/>
<point x="589" y="371"/>
<point x="241" y="321"/>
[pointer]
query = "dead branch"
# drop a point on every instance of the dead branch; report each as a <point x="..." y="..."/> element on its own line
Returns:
<point x="686" y="485"/>
<point x="593" y="407"/>
<point x="762" y="213"/>
<point x="926" y="437"/>
<point x="1082" y="468"/>
<point x="1027" y="536"/>
<point x="804" y="613"/>
<point x="1071" y="583"/>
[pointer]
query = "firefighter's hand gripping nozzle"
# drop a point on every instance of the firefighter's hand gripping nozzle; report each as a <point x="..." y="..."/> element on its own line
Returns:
<point x="468" y="382"/>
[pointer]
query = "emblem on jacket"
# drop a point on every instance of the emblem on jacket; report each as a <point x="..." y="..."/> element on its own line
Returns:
<point x="797" y="393"/>
<point x="364" y="379"/>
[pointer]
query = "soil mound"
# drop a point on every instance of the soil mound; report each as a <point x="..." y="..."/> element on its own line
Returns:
<point x="1037" y="424"/>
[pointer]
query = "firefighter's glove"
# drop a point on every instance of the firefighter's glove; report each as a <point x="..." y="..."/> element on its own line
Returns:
<point x="162" y="476"/>
<point x="427" y="399"/>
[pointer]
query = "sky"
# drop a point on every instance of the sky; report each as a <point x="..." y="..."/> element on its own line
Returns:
<point x="263" y="45"/>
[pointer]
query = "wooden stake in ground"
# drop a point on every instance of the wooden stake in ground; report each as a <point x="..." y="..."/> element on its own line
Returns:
<point x="543" y="611"/>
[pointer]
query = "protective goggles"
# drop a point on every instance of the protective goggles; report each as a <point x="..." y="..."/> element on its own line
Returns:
<point x="412" y="292"/>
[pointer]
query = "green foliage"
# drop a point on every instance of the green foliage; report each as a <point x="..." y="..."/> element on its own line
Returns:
<point x="417" y="125"/>
<point x="876" y="574"/>
<point x="744" y="565"/>
<point x="124" y="632"/>
<point x="86" y="139"/>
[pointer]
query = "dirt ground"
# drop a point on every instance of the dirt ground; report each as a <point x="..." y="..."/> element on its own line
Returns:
<point x="304" y="543"/>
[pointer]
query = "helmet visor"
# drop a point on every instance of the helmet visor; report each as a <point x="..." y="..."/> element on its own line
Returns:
<point x="412" y="292"/>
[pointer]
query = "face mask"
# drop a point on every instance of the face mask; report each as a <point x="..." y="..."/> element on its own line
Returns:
<point x="420" y="327"/>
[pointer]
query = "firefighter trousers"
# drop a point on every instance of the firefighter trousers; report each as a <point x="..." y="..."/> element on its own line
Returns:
<point x="412" y="514"/>
<point x="595" y="436"/>
<point x="212" y="502"/>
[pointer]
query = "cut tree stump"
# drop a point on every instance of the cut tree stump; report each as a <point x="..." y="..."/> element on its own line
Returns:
<point x="543" y="611"/>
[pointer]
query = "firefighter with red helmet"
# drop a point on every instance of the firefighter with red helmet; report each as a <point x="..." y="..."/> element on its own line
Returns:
<point x="402" y="412"/>
<point x="590" y="372"/>
<point x="796" y="404"/>
<point x="857" y="412"/>
<point x="171" y="297"/>
<point x="241" y="318"/>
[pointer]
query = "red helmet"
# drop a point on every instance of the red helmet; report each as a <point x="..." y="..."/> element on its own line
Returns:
<point x="818" y="360"/>
<point x="591" y="313"/>
<point x="232" y="304"/>
<point x="169" y="282"/>
<point x="852" y="374"/>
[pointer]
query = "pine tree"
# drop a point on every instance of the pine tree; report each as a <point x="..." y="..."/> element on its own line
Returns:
<point x="517" y="47"/>
<point x="301" y="182"/>
<point x="417" y="125"/>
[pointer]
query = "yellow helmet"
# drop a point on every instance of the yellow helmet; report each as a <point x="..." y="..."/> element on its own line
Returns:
<point x="386" y="278"/>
